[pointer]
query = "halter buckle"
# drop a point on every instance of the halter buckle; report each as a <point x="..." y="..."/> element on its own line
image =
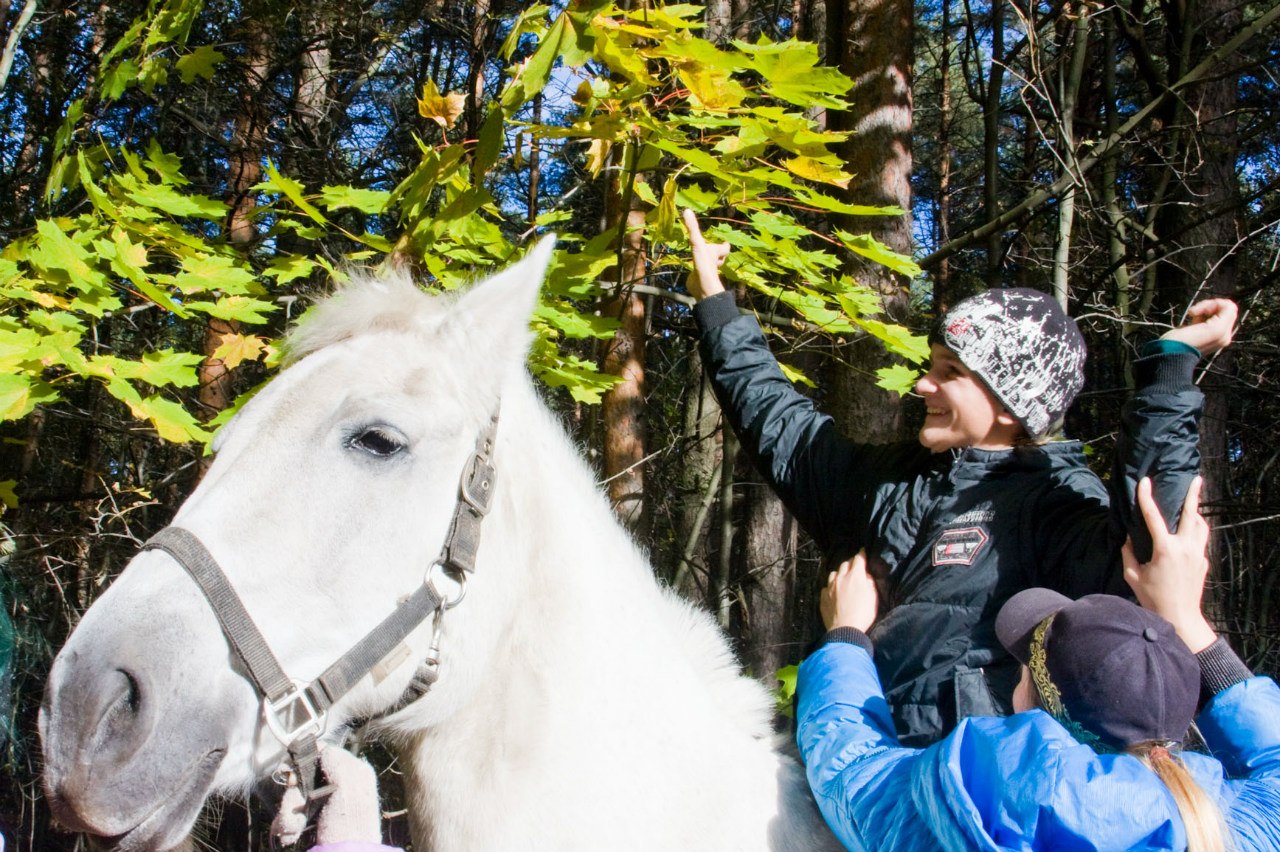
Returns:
<point x="476" y="488"/>
<point x="293" y="716"/>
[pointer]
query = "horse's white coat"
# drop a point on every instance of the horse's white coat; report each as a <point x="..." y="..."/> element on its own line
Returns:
<point x="579" y="705"/>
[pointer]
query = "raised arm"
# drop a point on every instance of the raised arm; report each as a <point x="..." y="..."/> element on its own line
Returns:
<point x="708" y="257"/>
<point x="822" y="477"/>
<point x="1171" y="584"/>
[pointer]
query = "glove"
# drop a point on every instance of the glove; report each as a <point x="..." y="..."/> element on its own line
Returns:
<point x="352" y="811"/>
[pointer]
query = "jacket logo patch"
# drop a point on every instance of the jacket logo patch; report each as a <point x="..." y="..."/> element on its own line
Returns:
<point x="959" y="547"/>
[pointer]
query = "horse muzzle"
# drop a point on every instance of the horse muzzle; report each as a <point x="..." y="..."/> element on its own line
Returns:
<point x="128" y="756"/>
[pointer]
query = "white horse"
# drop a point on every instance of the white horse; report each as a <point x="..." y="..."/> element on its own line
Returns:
<point x="579" y="704"/>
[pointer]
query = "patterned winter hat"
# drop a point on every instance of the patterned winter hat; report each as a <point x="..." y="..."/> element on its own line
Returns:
<point x="1024" y="347"/>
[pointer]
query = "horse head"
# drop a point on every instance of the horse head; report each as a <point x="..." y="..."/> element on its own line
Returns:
<point x="327" y="504"/>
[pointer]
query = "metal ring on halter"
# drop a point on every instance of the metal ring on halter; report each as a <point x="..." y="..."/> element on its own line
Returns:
<point x="311" y="721"/>
<point x="460" y="580"/>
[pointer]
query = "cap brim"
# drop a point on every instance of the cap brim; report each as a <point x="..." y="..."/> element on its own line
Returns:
<point x="1021" y="614"/>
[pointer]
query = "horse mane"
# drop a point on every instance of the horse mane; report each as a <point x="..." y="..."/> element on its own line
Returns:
<point x="367" y="303"/>
<point x="743" y="700"/>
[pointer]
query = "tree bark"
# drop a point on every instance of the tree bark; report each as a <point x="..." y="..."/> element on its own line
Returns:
<point x="874" y="46"/>
<point x="622" y="409"/>
<point x="698" y="480"/>
<point x="991" y="144"/>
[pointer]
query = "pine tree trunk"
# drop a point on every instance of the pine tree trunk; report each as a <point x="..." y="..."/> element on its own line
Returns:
<point x="622" y="410"/>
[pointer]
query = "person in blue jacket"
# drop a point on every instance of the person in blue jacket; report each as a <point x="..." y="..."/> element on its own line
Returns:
<point x="1093" y="760"/>
<point x="987" y="501"/>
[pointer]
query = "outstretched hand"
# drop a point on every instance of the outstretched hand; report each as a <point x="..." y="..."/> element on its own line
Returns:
<point x="708" y="257"/>
<point x="1172" y="584"/>
<point x="850" y="598"/>
<point x="1210" y="326"/>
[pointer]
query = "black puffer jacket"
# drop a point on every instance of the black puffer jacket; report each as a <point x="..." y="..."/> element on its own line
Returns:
<point x="953" y="534"/>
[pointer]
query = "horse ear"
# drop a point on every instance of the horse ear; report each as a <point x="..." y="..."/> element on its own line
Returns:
<point x="494" y="314"/>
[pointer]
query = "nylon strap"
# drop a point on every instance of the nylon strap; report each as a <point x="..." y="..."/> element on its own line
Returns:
<point x="244" y="636"/>
<point x="246" y="640"/>
<point x="458" y="554"/>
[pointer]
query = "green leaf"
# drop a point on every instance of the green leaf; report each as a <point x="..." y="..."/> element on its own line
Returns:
<point x="128" y="261"/>
<point x="292" y="190"/>
<point x="154" y="72"/>
<point x="489" y="143"/>
<point x="897" y="339"/>
<point x="530" y="20"/>
<point x="171" y="421"/>
<point x="664" y="223"/>
<point x="873" y="249"/>
<point x="784" y="695"/>
<point x="18" y="347"/>
<point x="532" y="75"/>
<point x="168" y="200"/>
<point x="790" y="72"/>
<point x="825" y="170"/>
<point x="168" y="167"/>
<point x="58" y="254"/>
<point x="236" y="308"/>
<point x="809" y="198"/>
<point x="165" y="367"/>
<point x="577" y="324"/>
<point x="199" y="63"/>
<point x="364" y="200"/>
<point x="212" y="272"/>
<point x="898" y="378"/>
<point x="795" y="376"/>
<point x="119" y="78"/>
<point x="711" y="89"/>
<point x="20" y="393"/>
<point x="7" y="495"/>
<point x="289" y="267"/>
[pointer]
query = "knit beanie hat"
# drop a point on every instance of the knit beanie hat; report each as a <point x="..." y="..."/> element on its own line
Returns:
<point x="1024" y="348"/>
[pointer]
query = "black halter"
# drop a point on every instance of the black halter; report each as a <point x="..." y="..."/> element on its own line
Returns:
<point x="295" y="712"/>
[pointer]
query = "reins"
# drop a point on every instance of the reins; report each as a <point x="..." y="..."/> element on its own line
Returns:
<point x="294" y="712"/>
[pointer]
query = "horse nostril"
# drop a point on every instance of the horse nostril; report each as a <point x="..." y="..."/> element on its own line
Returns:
<point x="134" y="695"/>
<point x="123" y="725"/>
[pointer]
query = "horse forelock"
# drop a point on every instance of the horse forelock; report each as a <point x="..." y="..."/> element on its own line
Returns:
<point x="367" y="303"/>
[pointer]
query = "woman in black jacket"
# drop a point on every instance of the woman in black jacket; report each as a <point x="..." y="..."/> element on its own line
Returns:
<point x="986" y="503"/>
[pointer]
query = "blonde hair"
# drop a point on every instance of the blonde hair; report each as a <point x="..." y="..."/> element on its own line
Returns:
<point x="1201" y="816"/>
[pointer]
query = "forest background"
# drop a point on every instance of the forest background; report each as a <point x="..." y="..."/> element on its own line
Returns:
<point x="184" y="178"/>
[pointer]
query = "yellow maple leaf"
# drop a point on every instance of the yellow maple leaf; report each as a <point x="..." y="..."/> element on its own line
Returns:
<point x="442" y="109"/>
<point x="234" y="348"/>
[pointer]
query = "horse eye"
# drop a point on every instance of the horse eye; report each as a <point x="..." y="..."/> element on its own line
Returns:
<point x="376" y="442"/>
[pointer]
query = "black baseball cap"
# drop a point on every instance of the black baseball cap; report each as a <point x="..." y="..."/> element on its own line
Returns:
<point x="1121" y="671"/>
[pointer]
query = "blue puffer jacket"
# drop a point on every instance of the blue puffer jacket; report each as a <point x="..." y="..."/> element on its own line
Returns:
<point x="1021" y="782"/>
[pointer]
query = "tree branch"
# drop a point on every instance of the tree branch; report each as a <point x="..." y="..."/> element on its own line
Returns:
<point x="15" y="35"/>
<point x="1038" y="199"/>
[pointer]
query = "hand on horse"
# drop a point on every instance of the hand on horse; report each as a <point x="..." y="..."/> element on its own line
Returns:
<point x="1210" y="326"/>
<point x="352" y="811"/>
<point x="1172" y="584"/>
<point x="708" y="257"/>
<point x="850" y="598"/>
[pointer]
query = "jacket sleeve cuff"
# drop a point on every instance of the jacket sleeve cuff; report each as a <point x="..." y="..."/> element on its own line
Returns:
<point x="849" y="635"/>
<point x="1166" y="369"/>
<point x="715" y="311"/>
<point x="1160" y="346"/>
<point x="1220" y="668"/>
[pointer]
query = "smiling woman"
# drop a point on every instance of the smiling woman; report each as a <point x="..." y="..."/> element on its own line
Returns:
<point x="987" y="501"/>
<point x="959" y="410"/>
